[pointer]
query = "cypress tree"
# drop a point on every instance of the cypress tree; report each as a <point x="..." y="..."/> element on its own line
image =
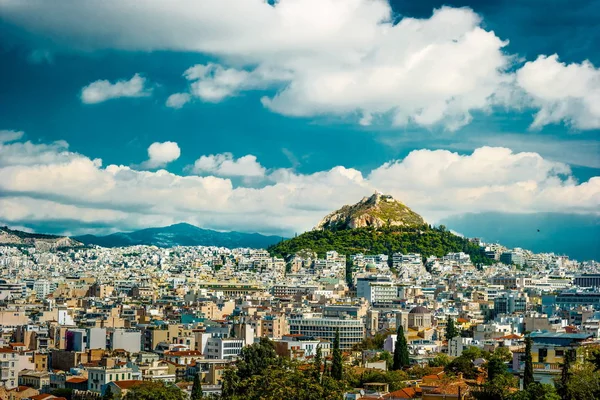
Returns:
<point x="196" y="388"/>
<point x="528" y="373"/>
<point x="401" y="358"/>
<point x="108" y="394"/>
<point x="565" y="374"/>
<point x="451" y="331"/>
<point x="336" y="366"/>
<point x="318" y="363"/>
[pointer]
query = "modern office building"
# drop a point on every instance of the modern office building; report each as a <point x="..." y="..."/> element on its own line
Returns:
<point x="588" y="280"/>
<point x="352" y="331"/>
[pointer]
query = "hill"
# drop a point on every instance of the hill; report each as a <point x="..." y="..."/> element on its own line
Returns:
<point x="378" y="225"/>
<point x="377" y="211"/>
<point x="43" y="242"/>
<point x="181" y="235"/>
<point x="423" y="239"/>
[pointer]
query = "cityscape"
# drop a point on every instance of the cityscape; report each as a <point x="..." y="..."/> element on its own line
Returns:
<point x="91" y="320"/>
<point x="299" y="200"/>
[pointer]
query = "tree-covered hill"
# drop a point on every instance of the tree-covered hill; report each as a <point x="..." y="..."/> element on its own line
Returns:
<point x="424" y="239"/>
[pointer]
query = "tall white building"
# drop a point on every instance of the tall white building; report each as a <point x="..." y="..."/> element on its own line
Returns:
<point x="41" y="288"/>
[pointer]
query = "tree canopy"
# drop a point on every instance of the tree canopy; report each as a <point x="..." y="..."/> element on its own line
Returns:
<point x="149" y="390"/>
<point x="424" y="240"/>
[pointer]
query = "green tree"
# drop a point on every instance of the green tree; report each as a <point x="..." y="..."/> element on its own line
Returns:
<point x="495" y="367"/>
<point x="462" y="365"/>
<point x="565" y="373"/>
<point x="537" y="391"/>
<point x="108" y="394"/>
<point x="254" y="359"/>
<point x="387" y="357"/>
<point x="336" y="366"/>
<point x="584" y="382"/>
<point x="500" y="388"/>
<point x="149" y="390"/>
<point x="196" y="388"/>
<point x="528" y="373"/>
<point x="472" y="353"/>
<point x="318" y="364"/>
<point x="440" y="360"/>
<point x="451" y="330"/>
<point x="503" y="353"/>
<point x="595" y="358"/>
<point x="401" y="358"/>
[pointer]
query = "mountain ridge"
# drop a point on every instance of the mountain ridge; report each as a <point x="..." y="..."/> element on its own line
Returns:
<point x="181" y="234"/>
<point x="38" y="240"/>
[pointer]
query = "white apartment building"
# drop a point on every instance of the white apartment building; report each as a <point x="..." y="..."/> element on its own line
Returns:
<point x="457" y="344"/>
<point x="376" y="289"/>
<point x="223" y="349"/>
<point x="41" y="288"/>
<point x="9" y="376"/>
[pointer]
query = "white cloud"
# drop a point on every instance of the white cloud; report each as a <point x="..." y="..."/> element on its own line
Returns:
<point x="226" y="165"/>
<point x="323" y="57"/>
<point x="177" y="100"/>
<point x="563" y="92"/>
<point x="160" y="154"/>
<point x="46" y="183"/>
<point x="102" y="90"/>
<point x="330" y="57"/>
<point x="10" y="136"/>
<point x="214" y="83"/>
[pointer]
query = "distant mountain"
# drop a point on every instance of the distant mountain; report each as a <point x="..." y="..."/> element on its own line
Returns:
<point x="575" y="235"/>
<point x="181" y="235"/>
<point x="13" y="237"/>
<point x="376" y="211"/>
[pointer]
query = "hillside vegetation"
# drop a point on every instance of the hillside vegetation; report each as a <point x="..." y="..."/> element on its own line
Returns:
<point x="423" y="239"/>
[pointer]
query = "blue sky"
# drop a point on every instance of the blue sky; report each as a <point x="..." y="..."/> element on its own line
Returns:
<point x="292" y="124"/>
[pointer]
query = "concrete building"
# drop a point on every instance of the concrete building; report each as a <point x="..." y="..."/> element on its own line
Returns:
<point x="128" y="340"/>
<point x="457" y="344"/>
<point x="352" y="331"/>
<point x="376" y="289"/>
<point x="99" y="377"/>
<point x="8" y="368"/>
<point x="299" y="347"/>
<point x="509" y="303"/>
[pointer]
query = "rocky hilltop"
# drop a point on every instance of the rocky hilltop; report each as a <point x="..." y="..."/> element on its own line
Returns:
<point x="39" y="241"/>
<point x="377" y="211"/>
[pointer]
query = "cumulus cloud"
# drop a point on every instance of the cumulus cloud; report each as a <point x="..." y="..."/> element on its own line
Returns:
<point x="328" y="57"/>
<point x="160" y="154"/>
<point x="177" y="100"/>
<point x="45" y="183"/>
<point x="226" y="165"/>
<point x="10" y="136"/>
<point x="333" y="57"/>
<point x="102" y="90"/>
<point x="563" y="92"/>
